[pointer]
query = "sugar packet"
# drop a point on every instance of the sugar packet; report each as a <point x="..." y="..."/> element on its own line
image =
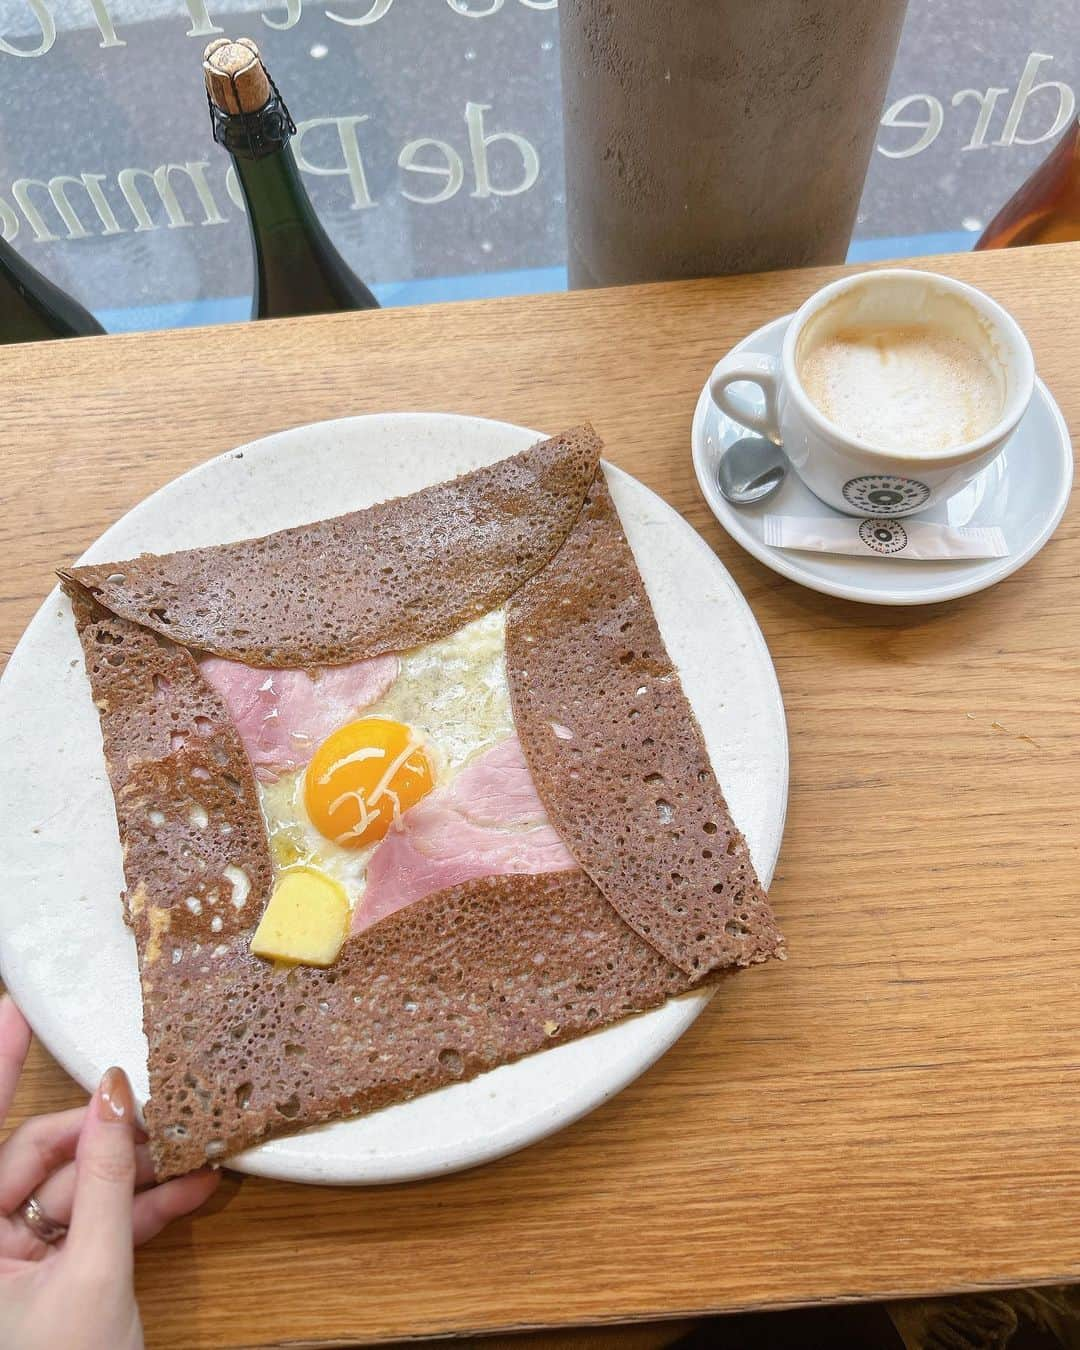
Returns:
<point x="883" y="536"/>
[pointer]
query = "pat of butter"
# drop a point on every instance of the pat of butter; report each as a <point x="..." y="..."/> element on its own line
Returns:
<point x="305" y="921"/>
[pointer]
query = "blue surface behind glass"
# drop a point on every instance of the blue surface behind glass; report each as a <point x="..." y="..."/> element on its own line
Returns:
<point x="479" y="286"/>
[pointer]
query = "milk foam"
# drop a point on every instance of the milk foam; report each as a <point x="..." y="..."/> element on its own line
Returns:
<point x="905" y="386"/>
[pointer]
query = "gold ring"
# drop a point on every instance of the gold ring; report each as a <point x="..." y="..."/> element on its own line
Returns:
<point x="39" y="1223"/>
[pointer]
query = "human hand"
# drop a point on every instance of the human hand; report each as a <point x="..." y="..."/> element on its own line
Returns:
<point x="83" y="1168"/>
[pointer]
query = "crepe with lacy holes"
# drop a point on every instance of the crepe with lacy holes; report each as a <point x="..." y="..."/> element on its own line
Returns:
<point x="393" y="576"/>
<point x="242" y="1049"/>
<point x="465" y="979"/>
<point x="196" y="858"/>
<point x="618" y="757"/>
<point x="456" y="984"/>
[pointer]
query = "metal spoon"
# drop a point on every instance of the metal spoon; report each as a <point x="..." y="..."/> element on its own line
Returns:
<point x="750" y="470"/>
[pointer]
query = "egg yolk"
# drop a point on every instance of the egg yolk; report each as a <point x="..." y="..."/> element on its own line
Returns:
<point x="363" y="777"/>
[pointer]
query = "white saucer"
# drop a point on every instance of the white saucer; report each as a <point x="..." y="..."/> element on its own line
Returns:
<point x="1026" y="503"/>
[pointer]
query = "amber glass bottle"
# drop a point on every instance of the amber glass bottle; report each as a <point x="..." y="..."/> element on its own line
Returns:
<point x="1046" y="209"/>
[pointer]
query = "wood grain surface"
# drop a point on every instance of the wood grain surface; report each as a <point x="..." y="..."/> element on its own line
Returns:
<point x="893" y="1111"/>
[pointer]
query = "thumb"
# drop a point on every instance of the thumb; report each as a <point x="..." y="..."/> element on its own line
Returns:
<point x="101" y="1213"/>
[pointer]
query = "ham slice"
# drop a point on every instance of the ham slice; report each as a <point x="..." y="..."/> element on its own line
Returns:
<point x="496" y="789"/>
<point x="283" y="715"/>
<point x="488" y="822"/>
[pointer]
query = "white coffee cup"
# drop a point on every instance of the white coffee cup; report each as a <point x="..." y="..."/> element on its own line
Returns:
<point x="850" y="472"/>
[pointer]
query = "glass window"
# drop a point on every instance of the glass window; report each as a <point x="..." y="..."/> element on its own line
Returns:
<point x="980" y="91"/>
<point x="431" y="142"/>
<point x="429" y="136"/>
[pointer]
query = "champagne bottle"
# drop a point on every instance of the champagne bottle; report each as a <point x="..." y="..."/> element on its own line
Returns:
<point x="297" y="269"/>
<point x="31" y="307"/>
<point x="1046" y="209"/>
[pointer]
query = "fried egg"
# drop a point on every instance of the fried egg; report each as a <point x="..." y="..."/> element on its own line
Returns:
<point x="449" y="702"/>
<point x="363" y="777"/>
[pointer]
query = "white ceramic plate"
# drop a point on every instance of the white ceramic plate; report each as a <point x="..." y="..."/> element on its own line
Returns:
<point x="65" y="952"/>
<point x="1025" y="491"/>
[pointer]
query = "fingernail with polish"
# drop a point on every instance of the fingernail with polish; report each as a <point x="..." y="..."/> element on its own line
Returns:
<point x="115" y="1102"/>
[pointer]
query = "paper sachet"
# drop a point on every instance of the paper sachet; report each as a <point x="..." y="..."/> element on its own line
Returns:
<point x="918" y="540"/>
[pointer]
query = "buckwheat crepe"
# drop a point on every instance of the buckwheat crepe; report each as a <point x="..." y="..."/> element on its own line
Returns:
<point x="657" y="891"/>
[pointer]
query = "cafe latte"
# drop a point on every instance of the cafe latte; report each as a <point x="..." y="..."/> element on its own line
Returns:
<point x="909" y="387"/>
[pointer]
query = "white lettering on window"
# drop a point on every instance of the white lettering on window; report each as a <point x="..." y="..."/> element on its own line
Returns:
<point x="57" y="188"/>
<point x="377" y="10"/>
<point x="453" y="171"/>
<point x="105" y="25"/>
<point x="987" y="103"/>
<point x="9" y="222"/>
<point x="478" y="144"/>
<point x="930" y="125"/>
<point x="293" y="10"/>
<point x="202" y="25"/>
<point x="352" y="164"/>
<point x="41" y="12"/>
<point x="462" y="7"/>
<point x="1024" y="90"/>
<point x="194" y="171"/>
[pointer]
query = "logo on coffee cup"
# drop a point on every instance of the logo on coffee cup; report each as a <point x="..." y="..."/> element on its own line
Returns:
<point x="885" y="494"/>
<point x="883" y="536"/>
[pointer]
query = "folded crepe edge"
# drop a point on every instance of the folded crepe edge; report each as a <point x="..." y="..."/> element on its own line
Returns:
<point x="312" y="594"/>
<point x="178" y="1152"/>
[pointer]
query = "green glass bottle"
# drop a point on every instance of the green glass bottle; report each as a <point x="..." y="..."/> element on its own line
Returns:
<point x="32" y="308"/>
<point x="297" y="269"/>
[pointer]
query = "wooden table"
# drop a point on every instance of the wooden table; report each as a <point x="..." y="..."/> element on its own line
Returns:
<point x="894" y="1111"/>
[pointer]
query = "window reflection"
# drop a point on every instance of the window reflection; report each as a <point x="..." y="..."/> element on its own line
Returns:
<point x="430" y="141"/>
